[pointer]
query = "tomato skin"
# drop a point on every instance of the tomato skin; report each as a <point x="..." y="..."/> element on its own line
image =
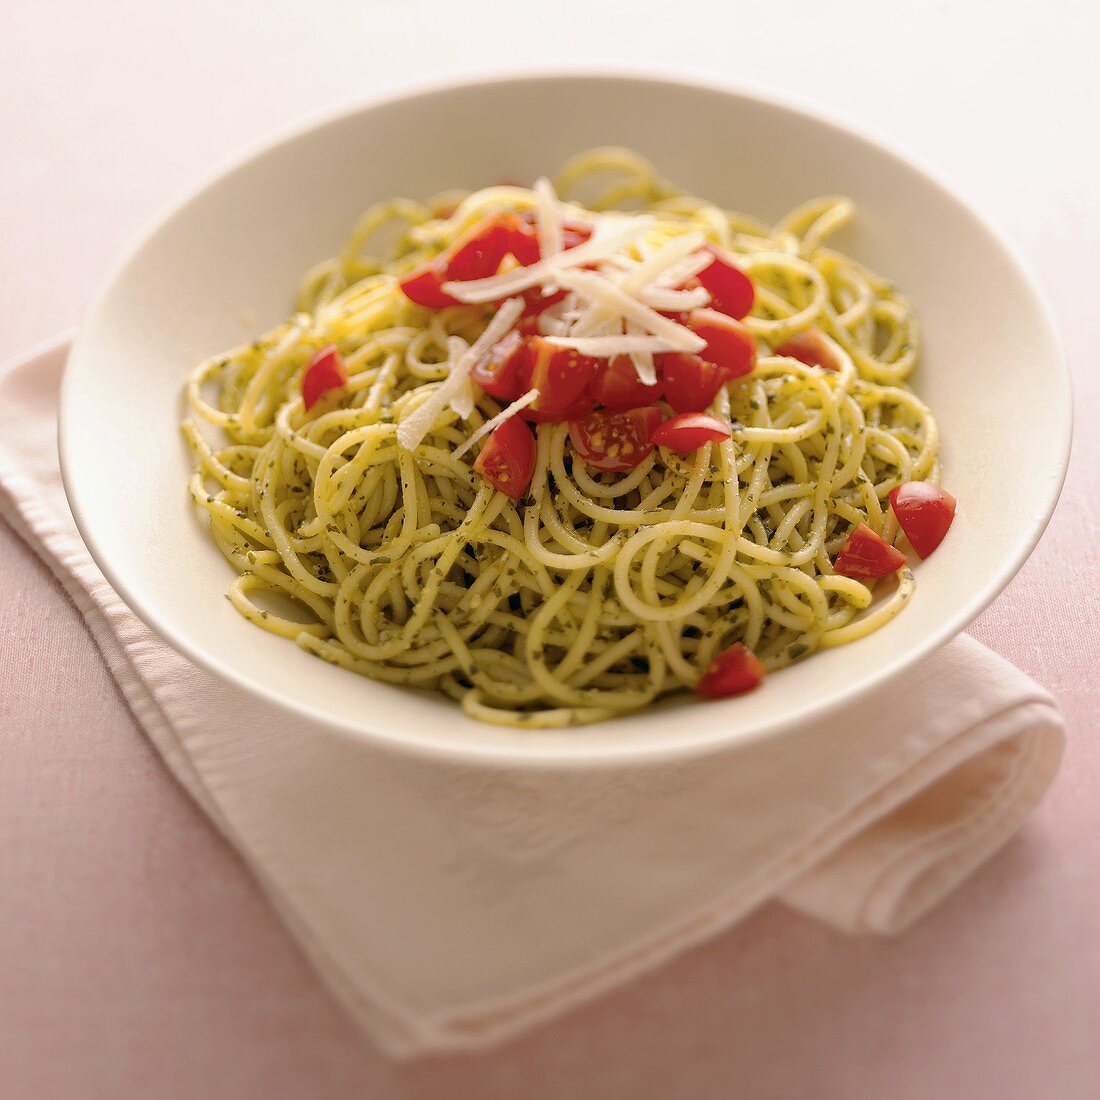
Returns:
<point x="867" y="556"/>
<point x="730" y="345"/>
<point x="507" y="461"/>
<point x="689" y="382"/>
<point x="326" y="371"/>
<point x="573" y="411"/>
<point x="499" y="371"/>
<point x="617" y="386"/>
<point x="536" y="303"/>
<point x="483" y="250"/>
<point x="730" y="289"/>
<point x="559" y="374"/>
<point x="687" y="432"/>
<point x="477" y="256"/>
<point x="424" y="286"/>
<point x="733" y="672"/>
<point x="924" y="512"/>
<point x="810" y="347"/>
<point x="616" y="441"/>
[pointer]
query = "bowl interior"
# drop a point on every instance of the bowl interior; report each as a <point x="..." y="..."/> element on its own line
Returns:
<point x="224" y="265"/>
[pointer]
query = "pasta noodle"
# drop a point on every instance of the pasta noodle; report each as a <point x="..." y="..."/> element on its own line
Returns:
<point x="596" y="593"/>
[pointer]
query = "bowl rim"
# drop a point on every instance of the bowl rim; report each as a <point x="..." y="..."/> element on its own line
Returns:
<point x="578" y="750"/>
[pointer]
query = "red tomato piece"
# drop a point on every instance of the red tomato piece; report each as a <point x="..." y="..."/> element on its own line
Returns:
<point x="573" y="411"/>
<point x="689" y="383"/>
<point x="559" y="374"/>
<point x="499" y="372"/>
<point x="520" y="239"/>
<point x="733" y="672"/>
<point x="617" y="385"/>
<point x="424" y="286"/>
<point x="687" y="432"/>
<point x="865" y="555"/>
<point x="731" y="290"/>
<point x="477" y="256"/>
<point x="924" y="512"/>
<point x="535" y="303"/>
<point x="326" y="371"/>
<point x="811" y="347"/>
<point x="730" y="345"/>
<point x="507" y="460"/>
<point x="614" y="440"/>
<point x="480" y="254"/>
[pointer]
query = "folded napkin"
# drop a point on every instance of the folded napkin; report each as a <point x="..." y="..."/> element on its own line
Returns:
<point x="450" y="907"/>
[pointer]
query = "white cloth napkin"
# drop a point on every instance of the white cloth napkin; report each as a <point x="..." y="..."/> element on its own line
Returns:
<point x="451" y="907"/>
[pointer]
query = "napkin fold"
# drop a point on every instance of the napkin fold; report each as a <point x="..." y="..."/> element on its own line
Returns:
<point x="452" y="906"/>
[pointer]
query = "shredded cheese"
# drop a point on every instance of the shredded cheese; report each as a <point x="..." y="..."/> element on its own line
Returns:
<point x="605" y="347"/>
<point x="419" y="422"/>
<point x="496" y="421"/>
<point x="602" y="291"/>
<point x="547" y="218"/>
<point x="676" y="301"/>
<point x="546" y="271"/>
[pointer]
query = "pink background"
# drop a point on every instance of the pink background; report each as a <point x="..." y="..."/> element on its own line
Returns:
<point x="137" y="958"/>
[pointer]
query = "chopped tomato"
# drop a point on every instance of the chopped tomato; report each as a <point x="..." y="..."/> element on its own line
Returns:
<point x="521" y="240"/>
<point x="499" y="371"/>
<point x="811" y="347"/>
<point x="508" y="458"/>
<point x="424" y="286"/>
<point x="730" y="345"/>
<point x="326" y="371"/>
<point x="733" y="672"/>
<point x="614" y="440"/>
<point x="477" y="256"/>
<point x="924" y="512"/>
<point x="687" y="432"/>
<point x="865" y="555"/>
<point x="559" y="374"/>
<point x="573" y="411"/>
<point x="480" y="255"/>
<point x="730" y="288"/>
<point x="689" y="383"/>
<point x="616" y="385"/>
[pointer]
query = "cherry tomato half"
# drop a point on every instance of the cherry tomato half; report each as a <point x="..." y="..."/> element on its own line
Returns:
<point x="614" y="440"/>
<point x="559" y="374"/>
<point x="730" y="288"/>
<point x="507" y="460"/>
<point x="811" y="347"/>
<point x="689" y="383"/>
<point x="500" y="371"/>
<point x="687" y="432"/>
<point x="326" y="371"/>
<point x="477" y="256"/>
<point x="730" y="345"/>
<point x="733" y="672"/>
<point x="616" y="385"/>
<point x="866" y="555"/>
<point x="924" y="512"/>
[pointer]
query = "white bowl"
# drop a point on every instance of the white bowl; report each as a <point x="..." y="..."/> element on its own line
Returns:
<point x="993" y="373"/>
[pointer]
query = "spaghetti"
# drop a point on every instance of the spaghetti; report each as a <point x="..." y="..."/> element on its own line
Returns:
<point x="597" y="591"/>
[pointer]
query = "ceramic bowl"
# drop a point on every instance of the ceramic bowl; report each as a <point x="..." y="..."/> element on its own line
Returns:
<point x="993" y="373"/>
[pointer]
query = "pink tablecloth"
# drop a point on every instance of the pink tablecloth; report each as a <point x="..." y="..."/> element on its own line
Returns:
<point x="136" y="959"/>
